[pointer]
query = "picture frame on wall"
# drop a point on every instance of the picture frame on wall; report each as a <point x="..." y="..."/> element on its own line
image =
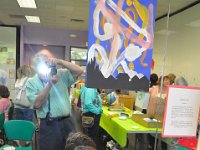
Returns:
<point x="11" y="73"/>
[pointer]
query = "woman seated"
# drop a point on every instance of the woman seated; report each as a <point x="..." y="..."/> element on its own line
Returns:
<point x="4" y="101"/>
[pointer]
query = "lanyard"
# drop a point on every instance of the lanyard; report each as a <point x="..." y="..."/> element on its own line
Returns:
<point x="49" y="103"/>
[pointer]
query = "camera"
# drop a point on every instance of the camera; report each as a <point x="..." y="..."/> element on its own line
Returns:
<point x="53" y="70"/>
<point x="46" y="69"/>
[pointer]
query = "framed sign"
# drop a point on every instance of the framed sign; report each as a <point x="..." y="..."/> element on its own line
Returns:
<point x="181" y="112"/>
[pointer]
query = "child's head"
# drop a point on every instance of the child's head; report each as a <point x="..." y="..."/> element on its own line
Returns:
<point x="79" y="140"/>
<point x="4" y="92"/>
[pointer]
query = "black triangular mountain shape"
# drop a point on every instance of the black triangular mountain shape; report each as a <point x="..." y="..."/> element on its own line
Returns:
<point x="95" y="79"/>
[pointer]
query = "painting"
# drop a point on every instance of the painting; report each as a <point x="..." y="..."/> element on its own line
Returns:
<point x="142" y="100"/>
<point x="121" y="35"/>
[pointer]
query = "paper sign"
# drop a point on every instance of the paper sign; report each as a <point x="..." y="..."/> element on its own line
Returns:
<point x="142" y="100"/>
<point x="181" y="112"/>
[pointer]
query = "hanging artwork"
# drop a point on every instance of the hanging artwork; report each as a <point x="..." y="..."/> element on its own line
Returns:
<point x="121" y="34"/>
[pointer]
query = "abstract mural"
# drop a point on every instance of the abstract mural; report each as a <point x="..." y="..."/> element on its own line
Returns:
<point x="121" y="34"/>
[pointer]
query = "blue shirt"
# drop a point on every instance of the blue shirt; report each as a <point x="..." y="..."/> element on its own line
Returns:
<point x="91" y="100"/>
<point x="59" y="98"/>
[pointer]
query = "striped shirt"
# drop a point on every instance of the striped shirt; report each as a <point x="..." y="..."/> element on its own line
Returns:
<point x="59" y="97"/>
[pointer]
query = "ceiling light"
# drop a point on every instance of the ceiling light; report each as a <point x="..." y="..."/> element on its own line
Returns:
<point x="34" y="19"/>
<point x="27" y="3"/>
<point x="73" y="35"/>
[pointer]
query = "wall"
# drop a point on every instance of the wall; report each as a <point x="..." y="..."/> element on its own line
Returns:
<point x="21" y="45"/>
<point x="56" y="37"/>
<point x="32" y="49"/>
<point x="183" y="50"/>
<point x="8" y="57"/>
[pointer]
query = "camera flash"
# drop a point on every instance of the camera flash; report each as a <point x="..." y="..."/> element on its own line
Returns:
<point x="43" y="69"/>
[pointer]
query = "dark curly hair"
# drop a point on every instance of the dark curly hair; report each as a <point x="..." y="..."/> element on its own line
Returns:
<point x="84" y="148"/>
<point x="4" y="92"/>
<point x="78" y="140"/>
<point x="153" y="79"/>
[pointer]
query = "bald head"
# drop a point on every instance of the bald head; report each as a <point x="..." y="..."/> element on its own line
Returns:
<point x="41" y="64"/>
<point x="42" y="56"/>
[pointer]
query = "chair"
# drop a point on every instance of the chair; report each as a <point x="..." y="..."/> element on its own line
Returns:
<point x="2" y="118"/>
<point x="11" y="111"/>
<point x="19" y="130"/>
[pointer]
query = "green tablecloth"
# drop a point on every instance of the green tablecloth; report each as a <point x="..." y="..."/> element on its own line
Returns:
<point x="118" y="128"/>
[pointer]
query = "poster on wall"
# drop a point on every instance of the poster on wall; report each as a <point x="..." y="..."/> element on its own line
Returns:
<point x="121" y="35"/>
<point x="8" y="50"/>
<point x="181" y="112"/>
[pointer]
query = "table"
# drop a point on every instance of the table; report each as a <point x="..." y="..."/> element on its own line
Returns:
<point x="119" y="129"/>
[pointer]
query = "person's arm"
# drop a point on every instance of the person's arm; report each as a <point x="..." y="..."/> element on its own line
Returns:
<point x="7" y="106"/>
<point x="42" y="97"/>
<point x="90" y="106"/>
<point x="73" y="68"/>
<point x="100" y="102"/>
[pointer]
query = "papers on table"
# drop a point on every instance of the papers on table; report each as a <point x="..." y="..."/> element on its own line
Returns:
<point x="150" y="120"/>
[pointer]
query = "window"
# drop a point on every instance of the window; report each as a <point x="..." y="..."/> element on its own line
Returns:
<point x="9" y="56"/>
<point x="78" y="55"/>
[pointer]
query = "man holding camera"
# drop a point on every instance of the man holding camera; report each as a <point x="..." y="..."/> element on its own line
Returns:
<point x="48" y="92"/>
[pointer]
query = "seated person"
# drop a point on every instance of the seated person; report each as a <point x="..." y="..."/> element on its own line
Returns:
<point x="78" y="140"/>
<point x="4" y="101"/>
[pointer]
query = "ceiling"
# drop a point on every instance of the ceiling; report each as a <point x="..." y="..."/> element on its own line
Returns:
<point x="9" y="38"/>
<point x="60" y="13"/>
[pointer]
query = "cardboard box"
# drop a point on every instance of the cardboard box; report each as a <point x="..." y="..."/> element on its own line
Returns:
<point x="139" y="118"/>
<point x="127" y="100"/>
